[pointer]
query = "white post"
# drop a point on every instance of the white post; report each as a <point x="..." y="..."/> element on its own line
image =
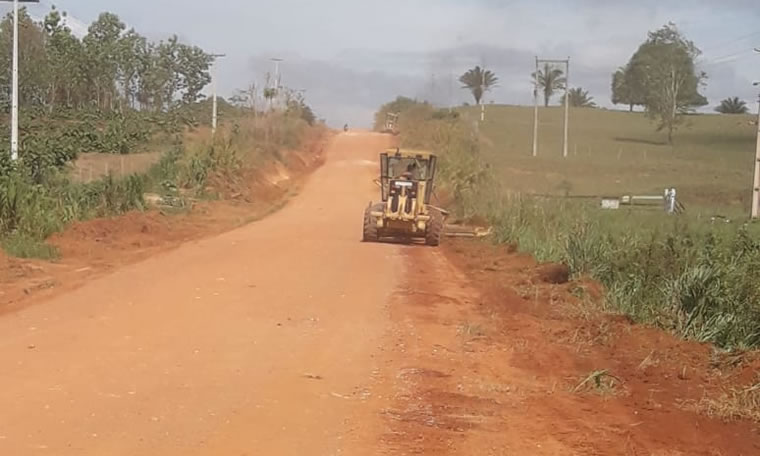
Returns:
<point x="483" y="94"/>
<point x="535" y="111"/>
<point x="14" y="102"/>
<point x="213" y="104"/>
<point x="277" y="98"/>
<point x="756" y="187"/>
<point x="567" y="106"/>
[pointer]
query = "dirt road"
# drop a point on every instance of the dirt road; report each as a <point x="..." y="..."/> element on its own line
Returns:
<point x="259" y="341"/>
<point x="290" y="337"/>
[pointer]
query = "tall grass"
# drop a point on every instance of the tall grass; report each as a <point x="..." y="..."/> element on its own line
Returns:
<point x="684" y="274"/>
<point x="37" y="198"/>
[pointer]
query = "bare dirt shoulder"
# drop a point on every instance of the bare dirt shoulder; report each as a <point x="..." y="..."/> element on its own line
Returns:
<point x="92" y="248"/>
<point x="491" y="356"/>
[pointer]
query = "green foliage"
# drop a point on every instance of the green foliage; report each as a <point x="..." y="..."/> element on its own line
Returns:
<point x="296" y="107"/>
<point x="22" y="246"/>
<point x="549" y="80"/>
<point x="400" y="104"/>
<point x="478" y="81"/>
<point x="109" y="69"/>
<point x="627" y="88"/>
<point x="664" y="68"/>
<point x="613" y="153"/>
<point x="692" y="278"/>
<point x="462" y="172"/>
<point x="685" y="274"/>
<point x="189" y="169"/>
<point x="580" y="98"/>
<point x="732" y="106"/>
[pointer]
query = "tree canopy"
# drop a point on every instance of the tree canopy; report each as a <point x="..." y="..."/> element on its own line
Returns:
<point x="662" y="75"/>
<point x="626" y="88"/>
<point x="732" y="106"/>
<point x="580" y="98"/>
<point x="478" y="81"/>
<point x="109" y="69"/>
<point x="550" y="79"/>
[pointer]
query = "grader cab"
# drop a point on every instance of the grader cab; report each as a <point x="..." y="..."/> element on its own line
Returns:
<point x="406" y="187"/>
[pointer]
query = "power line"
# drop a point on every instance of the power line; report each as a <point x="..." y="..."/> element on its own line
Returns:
<point x="732" y="41"/>
<point x="729" y="58"/>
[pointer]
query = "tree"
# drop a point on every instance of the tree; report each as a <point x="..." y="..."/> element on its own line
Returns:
<point x="666" y="66"/>
<point x="102" y="49"/>
<point x="580" y="98"/>
<point x="478" y="81"/>
<point x="109" y="68"/>
<point x="247" y="98"/>
<point x="732" y="106"/>
<point x="550" y="79"/>
<point x="626" y="88"/>
<point x="33" y="65"/>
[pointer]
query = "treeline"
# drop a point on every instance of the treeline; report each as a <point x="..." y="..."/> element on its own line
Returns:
<point x="110" y="69"/>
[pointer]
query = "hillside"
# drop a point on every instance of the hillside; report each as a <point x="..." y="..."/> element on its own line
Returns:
<point x="615" y="153"/>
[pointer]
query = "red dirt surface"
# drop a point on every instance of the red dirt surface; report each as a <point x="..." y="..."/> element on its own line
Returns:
<point x="93" y="247"/>
<point x="289" y="336"/>
<point x="490" y="360"/>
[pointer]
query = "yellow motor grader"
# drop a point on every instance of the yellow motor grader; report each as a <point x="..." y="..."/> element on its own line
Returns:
<point x="405" y="213"/>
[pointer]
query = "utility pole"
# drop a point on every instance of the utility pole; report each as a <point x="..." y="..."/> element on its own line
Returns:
<point x="214" y="119"/>
<point x="14" y="83"/>
<point x="567" y="106"/>
<point x="14" y="102"/>
<point x="276" y="87"/>
<point x="756" y="187"/>
<point x="535" y="111"/>
<point x="483" y="94"/>
<point x="566" y="126"/>
<point x="451" y="91"/>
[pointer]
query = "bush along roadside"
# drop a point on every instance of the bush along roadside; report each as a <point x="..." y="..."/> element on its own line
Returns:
<point x="38" y="198"/>
<point x="686" y="275"/>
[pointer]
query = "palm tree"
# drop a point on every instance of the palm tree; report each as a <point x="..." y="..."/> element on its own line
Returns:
<point x="478" y="81"/>
<point x="550" y="79"/>
<point x="732" y="106"/>
<point x="580" y="98"/>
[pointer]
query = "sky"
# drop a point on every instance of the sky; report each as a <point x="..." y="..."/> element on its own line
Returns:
<point x="350" y="56"/>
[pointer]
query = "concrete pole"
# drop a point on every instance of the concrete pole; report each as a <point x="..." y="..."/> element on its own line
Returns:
<point x="535" y="111"/>
<point x="14" y="101"/>
<point x="756" y="187"/>
<point x="276" y="99"/>
<point x="483" y="94"/>
<point x="213" y="105"/>
<point x="567" y="107"/>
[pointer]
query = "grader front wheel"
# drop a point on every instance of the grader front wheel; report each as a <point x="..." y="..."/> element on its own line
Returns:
<point x="370" y="226"/>
<point x="434" y="230"/>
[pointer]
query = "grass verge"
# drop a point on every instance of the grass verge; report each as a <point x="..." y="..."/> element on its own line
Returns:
<point x="686" y="274"/>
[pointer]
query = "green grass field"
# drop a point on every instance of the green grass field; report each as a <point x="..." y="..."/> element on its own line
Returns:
<point x="615" y="153"/>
